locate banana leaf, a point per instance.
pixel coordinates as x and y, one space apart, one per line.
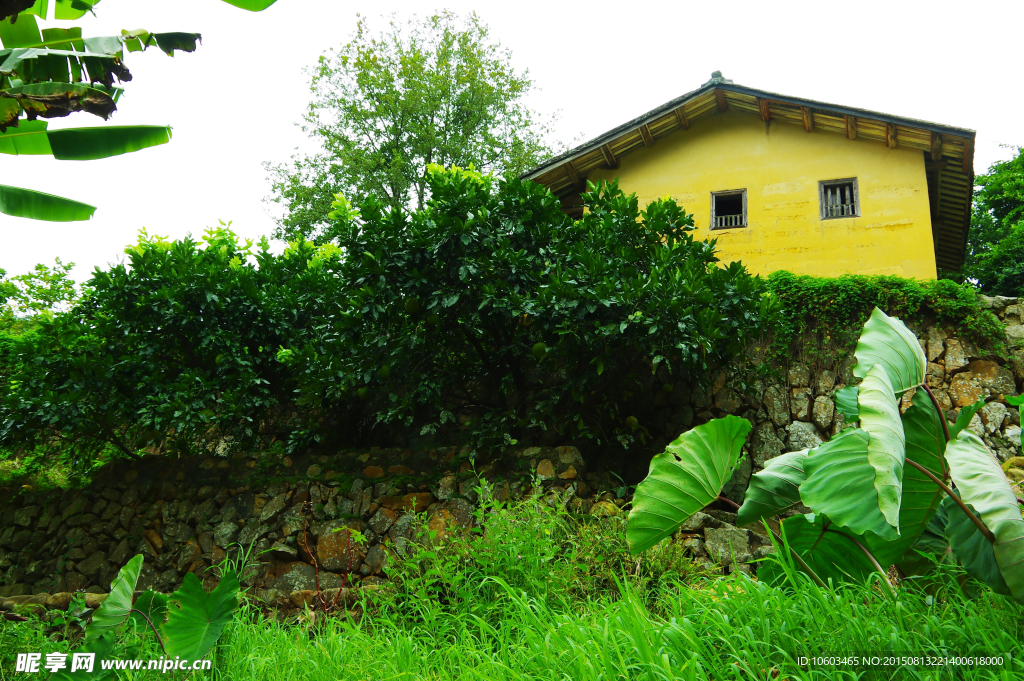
80 144
683 479
886 341
251 5
774 489
55 100
26 203
983 486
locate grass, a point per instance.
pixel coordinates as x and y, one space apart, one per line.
543 594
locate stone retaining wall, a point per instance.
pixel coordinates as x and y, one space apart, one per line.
353 512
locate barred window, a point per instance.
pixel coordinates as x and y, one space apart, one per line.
729 209
839 198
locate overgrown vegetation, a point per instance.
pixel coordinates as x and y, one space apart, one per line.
826 313
488 317
545 594
995 243
891 487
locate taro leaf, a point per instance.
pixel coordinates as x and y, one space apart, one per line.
982 484
846 403
774 489
26 203
150 607
880 417
828 554
683 479
102 646
251 5
841 484
933 537
970 546
80 144
195 618
886 341
964 419
114 610
921 496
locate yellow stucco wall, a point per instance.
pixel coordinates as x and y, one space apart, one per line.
780 165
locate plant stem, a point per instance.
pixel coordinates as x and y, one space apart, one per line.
150 623
942 416
987 533
885 577
730 502
804 566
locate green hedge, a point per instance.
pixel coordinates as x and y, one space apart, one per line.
835 308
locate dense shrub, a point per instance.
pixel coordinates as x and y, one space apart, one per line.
174 350
487 316
492 305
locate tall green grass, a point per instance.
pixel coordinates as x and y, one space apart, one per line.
542 594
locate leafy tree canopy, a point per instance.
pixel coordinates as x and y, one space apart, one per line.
387 105
995 245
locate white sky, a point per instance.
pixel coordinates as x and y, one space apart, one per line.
234 102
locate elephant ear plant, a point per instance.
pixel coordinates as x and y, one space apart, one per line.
884 490
185 623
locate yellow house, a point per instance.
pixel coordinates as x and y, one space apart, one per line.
788 183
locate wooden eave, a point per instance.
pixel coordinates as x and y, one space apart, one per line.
949 158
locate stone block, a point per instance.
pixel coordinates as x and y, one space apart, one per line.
956 356
776 405
800 403
966 389
823 412
799 375
802 435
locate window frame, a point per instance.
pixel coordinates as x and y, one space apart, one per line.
730 192
824 184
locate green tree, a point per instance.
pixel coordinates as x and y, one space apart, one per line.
43 290
995 244
493 307
54 72
387 105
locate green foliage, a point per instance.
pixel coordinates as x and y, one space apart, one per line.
828 310
115 609
995 242
683 479
43 75
100 377
876 489
546 323
388 105
195 619
775 488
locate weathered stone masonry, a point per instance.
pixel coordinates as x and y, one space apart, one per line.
188 514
